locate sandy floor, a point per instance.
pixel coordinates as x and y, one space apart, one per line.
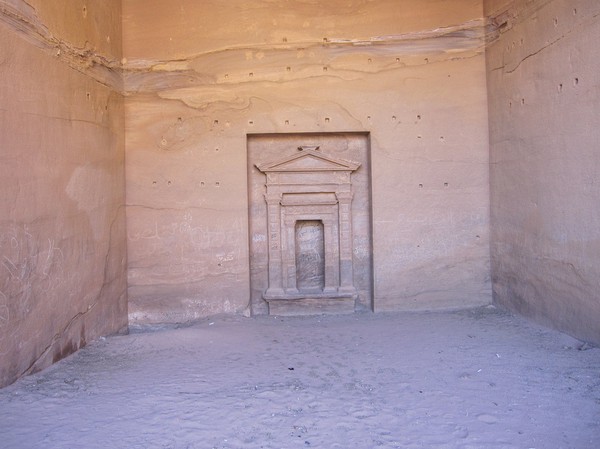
470 379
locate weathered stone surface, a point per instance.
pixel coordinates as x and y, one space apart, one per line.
543 84
202 76
310 255
62 216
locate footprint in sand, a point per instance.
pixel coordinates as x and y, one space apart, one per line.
488 419
460 432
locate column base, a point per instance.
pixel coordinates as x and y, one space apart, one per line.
304 303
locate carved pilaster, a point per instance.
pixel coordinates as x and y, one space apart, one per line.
345 223
331 256
289 252
274 228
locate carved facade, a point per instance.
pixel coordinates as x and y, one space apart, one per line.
308 199
309 186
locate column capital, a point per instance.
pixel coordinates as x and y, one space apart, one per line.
273 199
344 195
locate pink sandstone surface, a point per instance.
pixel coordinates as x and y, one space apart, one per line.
126 130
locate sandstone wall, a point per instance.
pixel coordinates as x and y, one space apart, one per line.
62 221
202 76
544 103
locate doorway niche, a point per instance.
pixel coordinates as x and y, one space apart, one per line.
309 223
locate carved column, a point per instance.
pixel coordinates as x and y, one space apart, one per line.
289 254
331 278
345 220
274 232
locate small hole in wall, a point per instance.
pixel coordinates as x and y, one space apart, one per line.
560 87
226 75
510 104
289 69
88 95
369 60
215 122
426 60
393 117
84 11
324 69
442 139
154 183
216 149
420 186
574 11
326 119
179 119
419 137
251 74
217 184
522 100
575 81
325 40
287 122
418 117
168 182
201 183
555 21
250 122
397 59
284 39
445 184
368 117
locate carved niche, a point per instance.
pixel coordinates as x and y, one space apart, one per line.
309 229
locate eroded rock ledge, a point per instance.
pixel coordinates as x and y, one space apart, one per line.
343 57
23 19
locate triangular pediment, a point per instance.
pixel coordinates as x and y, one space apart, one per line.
308 161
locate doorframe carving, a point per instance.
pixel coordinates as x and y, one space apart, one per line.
309 185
